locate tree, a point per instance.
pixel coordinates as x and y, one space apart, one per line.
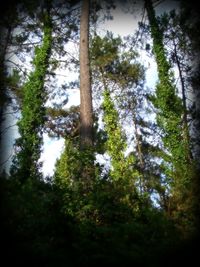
26 165
169 118
179 56
9 20
86 113
189 24
116 70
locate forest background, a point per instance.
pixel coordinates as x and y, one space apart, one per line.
125 188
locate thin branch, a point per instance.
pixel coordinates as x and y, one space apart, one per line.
192 101
158 3
5 161
143 16
17 65
10 113
5 129
62 75
26 44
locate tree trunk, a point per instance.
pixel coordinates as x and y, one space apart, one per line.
171 112
140 155
185 113
5 39
86 111
25 164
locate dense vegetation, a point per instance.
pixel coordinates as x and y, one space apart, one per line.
140 206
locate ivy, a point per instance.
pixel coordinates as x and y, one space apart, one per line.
116 142
25 164
170 119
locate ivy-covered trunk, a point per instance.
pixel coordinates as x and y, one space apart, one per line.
186 134
178 171
25 164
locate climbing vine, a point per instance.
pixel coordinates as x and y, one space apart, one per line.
170 120
25 163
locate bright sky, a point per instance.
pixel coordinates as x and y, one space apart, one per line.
124 21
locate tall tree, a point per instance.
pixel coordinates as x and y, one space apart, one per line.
169 118
8 21
86 110
189 23
177 44
25 164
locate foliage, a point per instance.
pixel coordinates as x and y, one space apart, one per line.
102 228
169 118
104 50
63 122
115 62
116 143
25 164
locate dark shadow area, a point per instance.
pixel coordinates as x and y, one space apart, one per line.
35 232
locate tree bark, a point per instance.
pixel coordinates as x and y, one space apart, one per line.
5 38
140 154
185 113
5 35
86 110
